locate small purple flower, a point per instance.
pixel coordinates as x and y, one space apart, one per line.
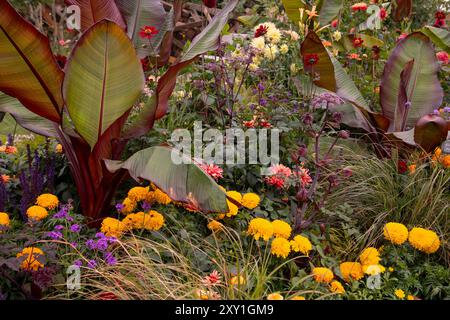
77 263
261 87
69 218
263 102
75 228
436 112
112 240
74 244
120 207
92 264
91 244
55 235
59 227
110 259
100 235
447 109
146 206
61 214
102 244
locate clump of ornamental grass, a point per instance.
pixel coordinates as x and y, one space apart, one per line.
377 192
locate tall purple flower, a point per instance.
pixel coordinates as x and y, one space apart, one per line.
76 228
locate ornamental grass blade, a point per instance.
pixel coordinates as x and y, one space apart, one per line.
184 182
93 11
104 78
28 69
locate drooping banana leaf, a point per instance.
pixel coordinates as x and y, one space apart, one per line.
93 11
103 80
26 118
424 90
368 41
439 36
328 10
292 9
28 70
184 182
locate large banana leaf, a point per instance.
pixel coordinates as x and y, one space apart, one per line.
28 70
141 13
324 67
184 182
103 80
424 90
328 10
93 11
292 9
368 41
439 36
26 118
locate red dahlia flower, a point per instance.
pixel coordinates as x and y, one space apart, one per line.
262 30
310 59
357 42
440 15
148 32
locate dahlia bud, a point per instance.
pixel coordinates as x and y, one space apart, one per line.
302 195
344 134
308 119
322 228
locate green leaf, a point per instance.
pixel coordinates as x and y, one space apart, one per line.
185 183
328 10
423 88
28 70
292 9
368 41
103 80
139 14
440 37
93 11
26 118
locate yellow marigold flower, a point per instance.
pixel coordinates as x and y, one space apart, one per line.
237 280
59 148
301 244
153 220
37 213
410 297
260 228
337 287
128 206
391 269
161 197
30 256
280 247
275 296
373 269
48 201
424 240
236 196
250 200
322 275
395 232
232 209
298 298
438 152
400 293
112 227
215 225
4 221
370 256
137 194
281 229
446 161
351 270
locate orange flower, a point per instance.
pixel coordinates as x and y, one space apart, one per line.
412 168
5 178
326 43
8 149
354 56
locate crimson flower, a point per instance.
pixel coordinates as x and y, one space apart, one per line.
210 3
335 23
147 32
439 23
262 30
357 42
383 14
402 166
145 64
440 15
310 59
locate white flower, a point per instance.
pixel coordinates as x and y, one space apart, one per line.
273 35
258 43
284 49
293 68
270 52
337 35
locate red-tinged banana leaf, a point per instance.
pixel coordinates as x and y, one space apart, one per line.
401 9
312 45
424 89
352 116
93 11
368 41
28 70
103 80
292 9
430 131
26 118
328 10
184 182
439 36
144 120
405 136
165 49
401 113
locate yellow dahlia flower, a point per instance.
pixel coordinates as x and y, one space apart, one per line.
400 293
112 227
30 256
37 213
137 194
337 287
370 256
281 229
260 228
424 240
373 269
275 296
301 244
351 270
322 275
48 201
250 200
280 247
395 232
